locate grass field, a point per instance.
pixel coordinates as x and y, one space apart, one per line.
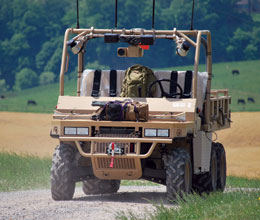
20 172
241 86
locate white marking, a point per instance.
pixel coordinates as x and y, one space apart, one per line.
182 105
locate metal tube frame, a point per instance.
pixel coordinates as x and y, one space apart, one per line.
158 34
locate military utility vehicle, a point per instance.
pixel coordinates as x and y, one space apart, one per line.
172 145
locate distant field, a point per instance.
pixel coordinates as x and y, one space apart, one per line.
256 17
45 96
242 86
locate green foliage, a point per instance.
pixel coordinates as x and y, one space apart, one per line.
25 79
47 78
96 65
45 54
26 26
32 32
245 43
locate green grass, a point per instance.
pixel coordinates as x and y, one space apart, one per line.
45 96
238 205
23 172
138 183
233 205
240 87
234 182
242 182
244 85
29 172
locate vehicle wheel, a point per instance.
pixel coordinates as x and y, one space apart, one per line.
99 186
62 185
207 182
222 169
178 174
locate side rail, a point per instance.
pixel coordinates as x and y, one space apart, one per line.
220 114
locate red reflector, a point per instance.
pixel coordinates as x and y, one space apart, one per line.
111 165
132 147
113 155
144 47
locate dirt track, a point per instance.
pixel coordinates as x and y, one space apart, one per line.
40 206
29 133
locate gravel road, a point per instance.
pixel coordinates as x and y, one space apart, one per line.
38 204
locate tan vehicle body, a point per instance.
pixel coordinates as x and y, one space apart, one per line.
182 117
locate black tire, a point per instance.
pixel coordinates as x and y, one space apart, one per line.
98 186
62 184
222 167
178 174
207 182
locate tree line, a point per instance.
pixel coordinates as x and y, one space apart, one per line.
32 32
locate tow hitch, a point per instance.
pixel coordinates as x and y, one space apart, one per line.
112 150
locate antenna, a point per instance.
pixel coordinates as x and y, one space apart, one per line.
192 15
77 14
116 14
153 14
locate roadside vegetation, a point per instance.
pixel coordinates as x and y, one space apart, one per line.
24 172
236 205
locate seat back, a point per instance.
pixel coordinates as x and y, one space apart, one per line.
90 80
109 82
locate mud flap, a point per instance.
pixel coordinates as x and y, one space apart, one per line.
201 152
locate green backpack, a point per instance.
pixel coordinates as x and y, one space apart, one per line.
137 81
